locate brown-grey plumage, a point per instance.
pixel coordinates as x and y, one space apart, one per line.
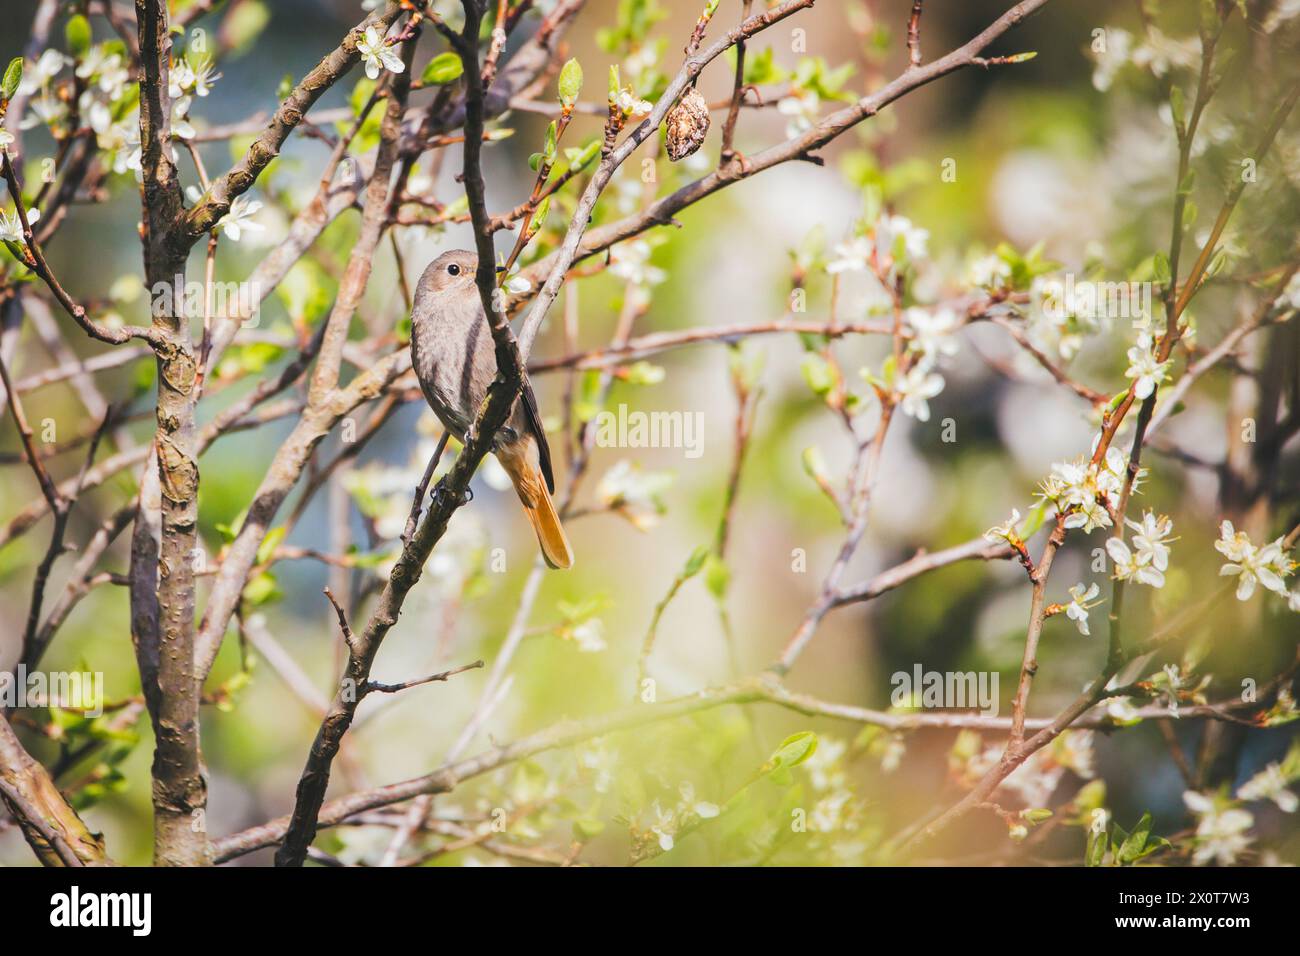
454 358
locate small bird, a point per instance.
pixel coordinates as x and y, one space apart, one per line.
454 358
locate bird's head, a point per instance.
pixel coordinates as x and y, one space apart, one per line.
454 269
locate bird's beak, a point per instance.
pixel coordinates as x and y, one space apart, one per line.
500 269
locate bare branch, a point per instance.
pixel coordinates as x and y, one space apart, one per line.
240 178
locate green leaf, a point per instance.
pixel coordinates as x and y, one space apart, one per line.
761 69
229 531
270 543
442 69
552 134
243 23
695 562
1177 105
570 82
716 575
1161 268
13 76
614 84
746 362
261 590
1131 848
814 465
1096 851
588 404
794 750
818 373
539 217
78 35
579 158
1154 845
644 373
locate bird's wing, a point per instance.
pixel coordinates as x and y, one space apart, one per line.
529 402
485 370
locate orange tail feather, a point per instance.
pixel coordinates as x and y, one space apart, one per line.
531 487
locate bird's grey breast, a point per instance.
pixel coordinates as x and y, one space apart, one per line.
446 335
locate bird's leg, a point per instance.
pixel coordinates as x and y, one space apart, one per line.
440 494
414 518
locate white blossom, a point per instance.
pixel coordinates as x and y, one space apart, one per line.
113 75
37 76
1160 53
825 772
829 814
893 752
701 808
181 125
596 758
851 256
1133 567
632 264
916 387
631 104
1113 473
662 827
1290 296
801 108
517 285
590 636
1151 539
1282 12
634 493
96 110
1270 784
1121 710
932 332
1006 532
11 230
1033 781
1143 367
1174 686
1079 489
195 77
378 55
239 218
1268 565
122 142
1073 486
1077 609
1119 46
990 272
1220 833
1089 515
897 236
1073 749
45 110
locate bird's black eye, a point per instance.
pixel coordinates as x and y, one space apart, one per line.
453 269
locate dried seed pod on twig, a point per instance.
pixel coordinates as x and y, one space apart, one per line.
687 125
